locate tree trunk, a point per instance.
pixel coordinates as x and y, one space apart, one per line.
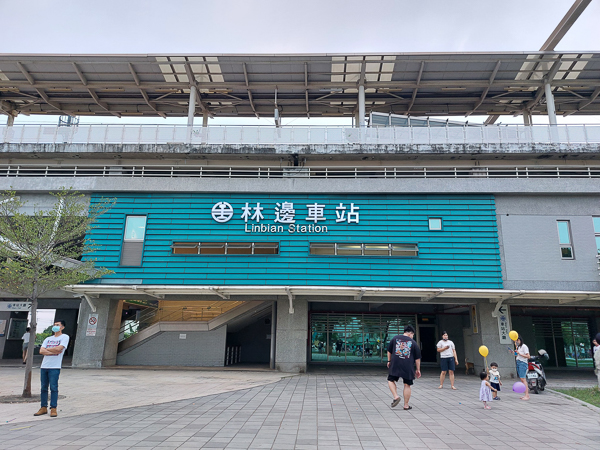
31 348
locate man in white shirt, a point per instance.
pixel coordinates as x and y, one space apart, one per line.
53 350
448 359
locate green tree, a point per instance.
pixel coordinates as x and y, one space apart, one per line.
39 337
41 252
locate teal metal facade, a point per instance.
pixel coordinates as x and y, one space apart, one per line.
464 254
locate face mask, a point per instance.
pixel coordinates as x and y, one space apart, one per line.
55 328
445 339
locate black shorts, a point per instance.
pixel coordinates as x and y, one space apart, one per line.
447 364
495 386
406 382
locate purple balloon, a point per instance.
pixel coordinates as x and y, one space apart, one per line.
519 387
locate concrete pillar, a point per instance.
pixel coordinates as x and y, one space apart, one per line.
488 335
11 120
361 105
273 335
191 106
205 118
99 350
550 104
292 336
527 118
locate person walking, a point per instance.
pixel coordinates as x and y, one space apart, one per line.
53 350
403 355
522 355
25 339
597 359
448 359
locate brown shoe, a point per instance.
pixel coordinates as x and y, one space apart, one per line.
53 412
43 410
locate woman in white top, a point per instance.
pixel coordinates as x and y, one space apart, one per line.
25 339
522 355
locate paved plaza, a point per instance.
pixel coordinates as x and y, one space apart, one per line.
310 411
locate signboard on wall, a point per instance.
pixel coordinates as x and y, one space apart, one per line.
504 324
92 324
15 306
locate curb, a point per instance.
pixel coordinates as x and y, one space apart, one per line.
576 400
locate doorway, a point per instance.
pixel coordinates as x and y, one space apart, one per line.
427 343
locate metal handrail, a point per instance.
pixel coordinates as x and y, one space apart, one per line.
301 135
317 172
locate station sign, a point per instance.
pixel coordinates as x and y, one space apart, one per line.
290 218
15 306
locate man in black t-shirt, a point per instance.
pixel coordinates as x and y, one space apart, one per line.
403 354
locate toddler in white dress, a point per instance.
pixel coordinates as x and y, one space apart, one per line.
485 391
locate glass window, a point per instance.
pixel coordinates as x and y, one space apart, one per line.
596 224
239 248
405 250
435 223
597 232
317 248
185 248
349 249
377 249
266 248
212 248
135 228
564 239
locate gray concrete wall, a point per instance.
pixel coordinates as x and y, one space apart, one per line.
67 150
199 348
489 336
99 350
559 186
530 250
292 335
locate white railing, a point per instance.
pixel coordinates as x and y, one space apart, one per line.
299 135
386 172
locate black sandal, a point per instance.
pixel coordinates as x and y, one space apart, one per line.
406 409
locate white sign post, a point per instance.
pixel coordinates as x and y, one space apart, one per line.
504 324
92 324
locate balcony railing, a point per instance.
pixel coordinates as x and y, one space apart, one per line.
313 172
300 135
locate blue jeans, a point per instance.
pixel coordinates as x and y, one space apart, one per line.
522 369
49 377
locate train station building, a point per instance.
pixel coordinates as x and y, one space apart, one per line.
298 246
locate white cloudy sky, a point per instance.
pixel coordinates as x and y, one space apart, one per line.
268 26
289 26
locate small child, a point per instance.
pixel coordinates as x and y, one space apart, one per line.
485 394
495 379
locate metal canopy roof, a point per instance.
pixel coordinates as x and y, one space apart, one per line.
306 84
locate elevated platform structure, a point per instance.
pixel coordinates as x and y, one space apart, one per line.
311 85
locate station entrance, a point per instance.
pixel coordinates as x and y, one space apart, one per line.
350 333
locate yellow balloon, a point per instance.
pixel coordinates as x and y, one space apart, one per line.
513 335
483 351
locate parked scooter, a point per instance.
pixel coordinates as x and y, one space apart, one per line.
536 377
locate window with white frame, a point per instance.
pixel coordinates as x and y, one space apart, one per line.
597 232
133 241
435 224
565 239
